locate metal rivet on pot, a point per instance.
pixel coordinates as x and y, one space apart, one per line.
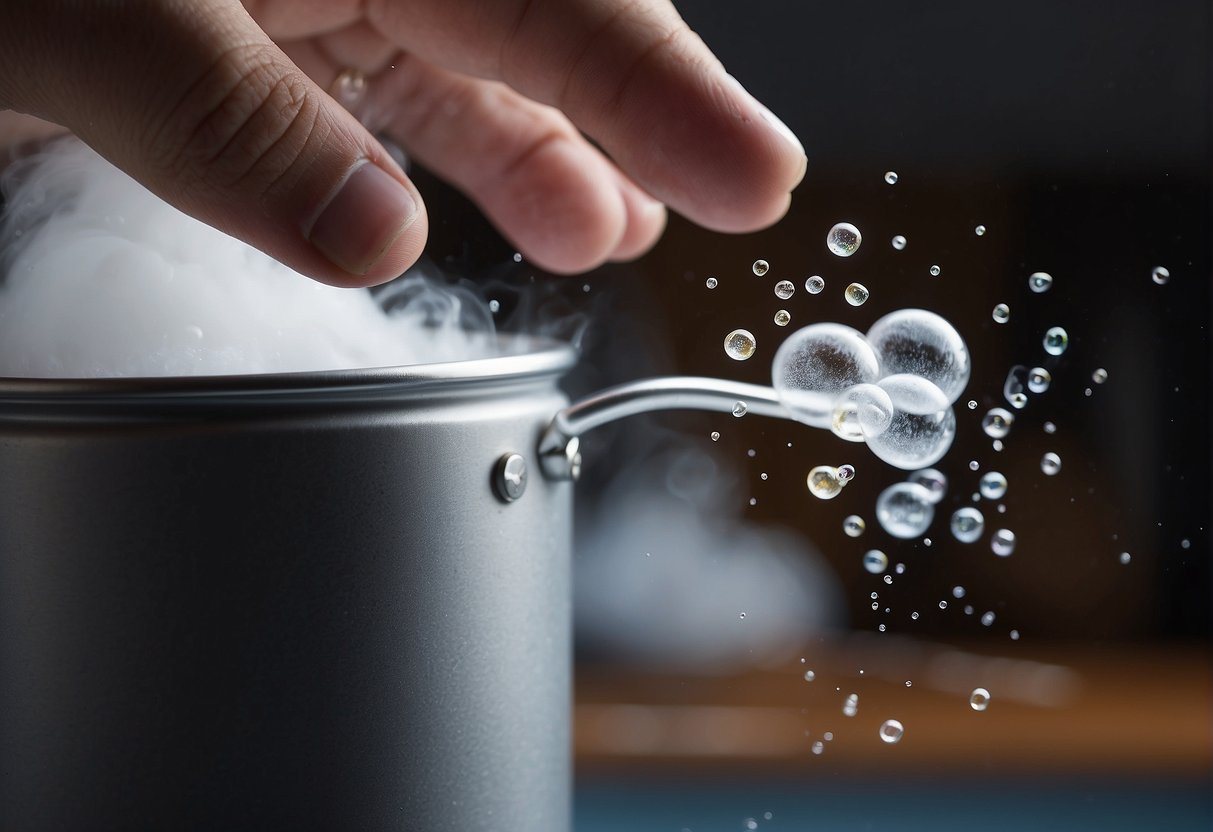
509 477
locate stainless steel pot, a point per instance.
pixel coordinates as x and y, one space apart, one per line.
308 601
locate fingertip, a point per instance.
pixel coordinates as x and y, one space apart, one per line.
646 221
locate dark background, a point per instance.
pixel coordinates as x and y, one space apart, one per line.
1079 134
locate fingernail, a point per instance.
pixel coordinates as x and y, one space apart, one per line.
770 118
362 218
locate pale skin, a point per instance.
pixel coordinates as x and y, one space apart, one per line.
224 110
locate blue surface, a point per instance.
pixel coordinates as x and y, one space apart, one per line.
938 804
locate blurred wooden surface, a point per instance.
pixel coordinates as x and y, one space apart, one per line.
1124 710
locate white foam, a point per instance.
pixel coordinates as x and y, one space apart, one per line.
104 279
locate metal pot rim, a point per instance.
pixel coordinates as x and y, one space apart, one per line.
524 359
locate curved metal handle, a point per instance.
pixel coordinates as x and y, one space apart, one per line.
559 446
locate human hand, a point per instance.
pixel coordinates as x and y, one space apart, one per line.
222 111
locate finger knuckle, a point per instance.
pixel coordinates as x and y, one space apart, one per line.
244 122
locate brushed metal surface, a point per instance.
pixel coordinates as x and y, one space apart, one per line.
283 613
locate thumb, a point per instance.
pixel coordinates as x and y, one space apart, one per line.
197 103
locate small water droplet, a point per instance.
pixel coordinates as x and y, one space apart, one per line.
742 615
997 422
890 177
809 675
979 699
891 731
935 270
739 344
843 239
711 283
761 267
974 465
824 483
1125 557
846 473
850 705
853 525
784 289
782 318
517 257
1056 340
943 605
1003 543
993 485
933 481
899 243
767 815
987 618
1160 275
968 524
1049 427
1099 376
1015 385
1001 313
958 592
750 823
856 294
1050 463
875 561
1015 635
1040 282
972 404
739 409
715 436
1039 379
980 231
818 747
814 285
905 510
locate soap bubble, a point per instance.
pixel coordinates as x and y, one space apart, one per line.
979 699
814 285
784 289
844 239
967 524
875 561
740 409
1050 463
935 270
715 436
782 318
921 342
846 473
824 483
997 423
1040 282
993 486
1001 313
899 243
739 344
1125 558
856 294
890 177
711 283
891 731
1160 275
904 510
853 525
933 481
980 230
1039 379
1099 376
861 411
815 364
1056 340
1003 543
761 267
923 425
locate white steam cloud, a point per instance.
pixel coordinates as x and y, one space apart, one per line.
104 279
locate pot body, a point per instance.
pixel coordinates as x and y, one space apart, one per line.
292 602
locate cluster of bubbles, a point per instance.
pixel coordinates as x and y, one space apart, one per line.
826 482
892 388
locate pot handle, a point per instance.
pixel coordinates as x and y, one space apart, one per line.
559 446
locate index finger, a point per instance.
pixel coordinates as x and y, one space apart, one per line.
633 76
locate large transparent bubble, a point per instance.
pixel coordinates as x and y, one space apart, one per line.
905 510
861 411
923 424
922 343
817 363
